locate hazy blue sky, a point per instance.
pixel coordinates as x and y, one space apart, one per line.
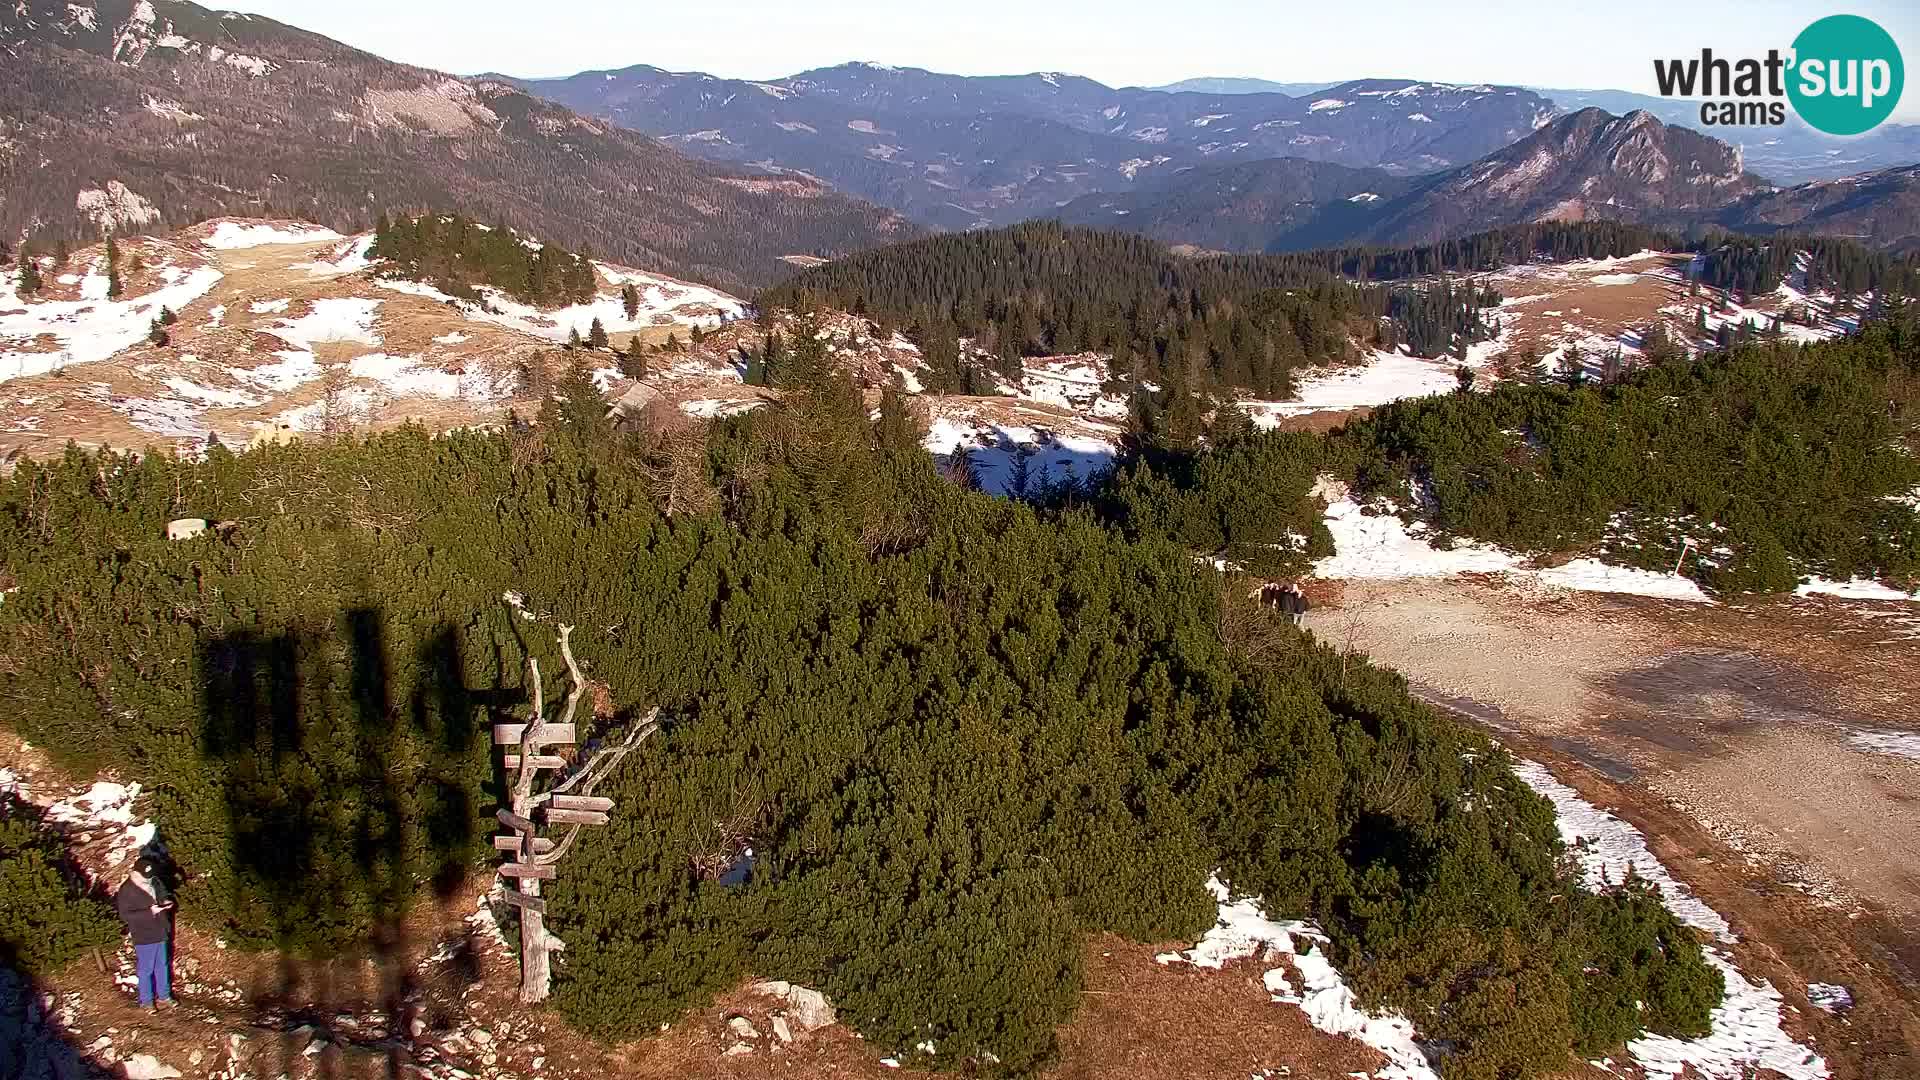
1122 42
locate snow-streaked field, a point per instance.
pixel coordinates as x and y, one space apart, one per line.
662 302
91 329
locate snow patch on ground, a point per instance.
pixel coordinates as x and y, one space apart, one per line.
332 320
1384 377
1592 575
350 257
86 331
1904 744
1378 545
1830 997
232 235
1243 932
407 376
1746 1034
102 818
662 302
1857 589
995 451
295 369
710 408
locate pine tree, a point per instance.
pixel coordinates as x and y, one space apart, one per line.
29 283
573 339
1572 366
630 301
673 343
633 362
114 288
157 334
577 408
597 335
168 317
698 335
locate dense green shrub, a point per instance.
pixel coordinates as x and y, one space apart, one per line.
48 915
959 734
1776 460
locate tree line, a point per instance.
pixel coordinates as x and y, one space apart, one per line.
1776 460
1245 322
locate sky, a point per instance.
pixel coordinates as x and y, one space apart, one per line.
1608 45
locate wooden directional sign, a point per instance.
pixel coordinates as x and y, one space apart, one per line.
538 761
511 734
574 817
523 900
528 870
541 845
580 802
513 821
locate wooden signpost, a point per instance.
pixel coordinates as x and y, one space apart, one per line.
570 802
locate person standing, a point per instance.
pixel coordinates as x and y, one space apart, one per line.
149 921
1295 604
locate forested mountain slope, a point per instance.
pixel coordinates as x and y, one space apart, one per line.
1882 208
1590 165
1040 289
958 151
153 114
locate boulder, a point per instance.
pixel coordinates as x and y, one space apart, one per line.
147 1067
806 1009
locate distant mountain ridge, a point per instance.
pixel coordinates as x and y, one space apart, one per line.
1791 154
1244 86
151 114
957 151
1587 165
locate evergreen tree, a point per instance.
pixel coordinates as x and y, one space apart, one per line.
168 316
573 339
29 280
577 409
157 334
1573 366
633 362
630 301
596 335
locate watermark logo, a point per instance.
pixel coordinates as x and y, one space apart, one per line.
1843 76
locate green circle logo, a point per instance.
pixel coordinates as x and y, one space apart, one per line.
1846 75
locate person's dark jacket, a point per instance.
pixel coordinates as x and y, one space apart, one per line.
135 905
1300 605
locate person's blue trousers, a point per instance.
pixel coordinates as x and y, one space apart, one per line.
150 962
